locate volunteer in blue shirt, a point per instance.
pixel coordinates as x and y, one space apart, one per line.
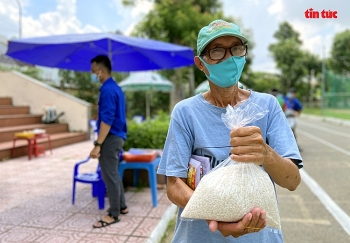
196 128
293 109
112 132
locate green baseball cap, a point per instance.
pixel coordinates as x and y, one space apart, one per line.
216 29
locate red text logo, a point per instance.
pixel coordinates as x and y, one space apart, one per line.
313 14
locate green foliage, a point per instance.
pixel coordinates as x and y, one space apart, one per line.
136 104
287 56
264 82
149 134
295 64
336 113
32 72
340 53
2 68
80 85
190 17
286 32
179 21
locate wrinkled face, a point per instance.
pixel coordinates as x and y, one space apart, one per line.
229 43
222 48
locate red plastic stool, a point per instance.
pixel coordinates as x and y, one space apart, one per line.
38 149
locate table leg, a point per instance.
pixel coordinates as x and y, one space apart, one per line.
29 149
13 147
152 177
48 137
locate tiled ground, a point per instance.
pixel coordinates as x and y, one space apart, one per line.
35 203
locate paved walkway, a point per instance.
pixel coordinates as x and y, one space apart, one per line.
35 203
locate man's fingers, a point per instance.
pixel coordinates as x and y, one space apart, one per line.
213 226
262 222
255 218
246 220
258 221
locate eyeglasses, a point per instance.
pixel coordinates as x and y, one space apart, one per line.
219 53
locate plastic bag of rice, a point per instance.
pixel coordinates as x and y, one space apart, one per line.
231 189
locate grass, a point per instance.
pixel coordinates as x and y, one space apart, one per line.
336 113
169 233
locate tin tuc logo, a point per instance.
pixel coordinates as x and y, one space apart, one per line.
313 14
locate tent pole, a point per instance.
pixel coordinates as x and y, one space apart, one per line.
110 52
147 106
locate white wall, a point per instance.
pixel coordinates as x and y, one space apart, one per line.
30 92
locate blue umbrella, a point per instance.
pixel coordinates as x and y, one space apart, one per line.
74 52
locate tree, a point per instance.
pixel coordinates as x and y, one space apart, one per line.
287 54
340 53
297 66
286 32
179 21
313 67
265 82
80 85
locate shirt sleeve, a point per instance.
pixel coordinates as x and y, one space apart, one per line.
107 106
297 105
176 152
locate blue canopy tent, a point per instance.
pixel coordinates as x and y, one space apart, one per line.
74 52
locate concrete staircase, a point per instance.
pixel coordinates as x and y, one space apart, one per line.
15 119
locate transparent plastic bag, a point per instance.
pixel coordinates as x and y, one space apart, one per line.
232 189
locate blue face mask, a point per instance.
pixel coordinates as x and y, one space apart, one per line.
226 73
94 78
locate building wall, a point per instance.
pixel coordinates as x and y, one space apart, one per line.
27 91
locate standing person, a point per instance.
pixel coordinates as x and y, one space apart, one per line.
292 102
196 128
275 92
112 129
293 108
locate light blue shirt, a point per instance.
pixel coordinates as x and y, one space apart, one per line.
196 128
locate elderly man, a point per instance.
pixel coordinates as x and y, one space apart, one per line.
196 128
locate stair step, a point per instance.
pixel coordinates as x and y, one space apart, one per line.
57 140
13 110
7 133
5 101
17 120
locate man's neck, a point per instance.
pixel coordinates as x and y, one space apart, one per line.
106 79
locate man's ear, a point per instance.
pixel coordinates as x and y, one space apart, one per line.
199 63
104 71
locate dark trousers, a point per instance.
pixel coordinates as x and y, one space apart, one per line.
109 160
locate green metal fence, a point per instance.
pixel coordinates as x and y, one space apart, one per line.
337 91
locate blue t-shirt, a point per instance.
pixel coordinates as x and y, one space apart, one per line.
293 103
196 128
111 108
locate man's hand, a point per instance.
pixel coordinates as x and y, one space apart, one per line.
251 222
248 145
95 152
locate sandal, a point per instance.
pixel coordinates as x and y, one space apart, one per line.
122 210
104 223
